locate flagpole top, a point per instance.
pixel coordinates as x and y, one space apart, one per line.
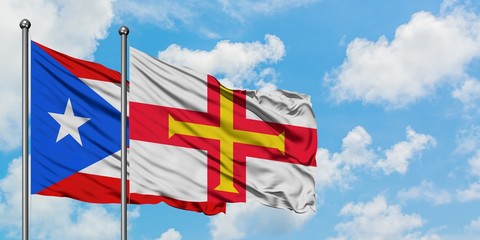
25 24
123 30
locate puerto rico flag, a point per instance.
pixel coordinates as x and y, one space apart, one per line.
75 132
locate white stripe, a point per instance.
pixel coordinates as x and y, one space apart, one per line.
170 171
108 167
158 83
281 185
281 107
107 90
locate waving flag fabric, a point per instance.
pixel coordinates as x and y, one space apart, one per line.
75 124
75 128
194 140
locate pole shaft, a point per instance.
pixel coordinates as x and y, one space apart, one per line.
123 33
25 25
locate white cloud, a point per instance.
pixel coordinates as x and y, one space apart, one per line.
89 222
448 5
398 157
51 217
242 9
251 218
411 66
11 196
331 171
425 191
378 220
471 231
473 226
474 163
170 234
468 94
470 194
242 69
468 140
134 213
337 168
69 26
357 152
164 13
420 236
73 27
197 15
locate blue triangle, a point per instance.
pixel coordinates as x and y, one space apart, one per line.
51 87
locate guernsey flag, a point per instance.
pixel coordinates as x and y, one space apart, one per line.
193 139
75 124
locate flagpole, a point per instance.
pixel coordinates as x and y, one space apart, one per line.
123 31
25 26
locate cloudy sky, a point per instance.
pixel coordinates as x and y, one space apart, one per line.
395 87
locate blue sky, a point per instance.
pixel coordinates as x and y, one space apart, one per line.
394 86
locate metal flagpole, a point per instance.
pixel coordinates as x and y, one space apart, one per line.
123 31
25 26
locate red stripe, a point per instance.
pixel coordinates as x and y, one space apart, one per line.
87 188
100 189
209 208
82 68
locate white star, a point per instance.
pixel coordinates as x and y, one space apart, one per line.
69 123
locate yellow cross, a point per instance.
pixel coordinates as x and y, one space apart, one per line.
227 136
